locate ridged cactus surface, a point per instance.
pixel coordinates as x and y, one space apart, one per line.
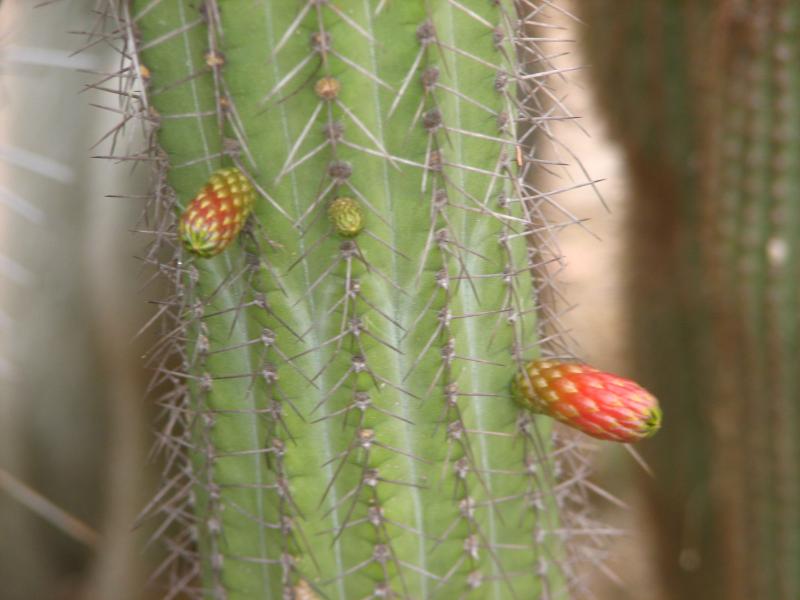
715 222
753 221
339 412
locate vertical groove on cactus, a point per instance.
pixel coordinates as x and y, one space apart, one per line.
340 416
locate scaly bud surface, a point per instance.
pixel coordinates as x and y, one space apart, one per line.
599 404
217 214
346 215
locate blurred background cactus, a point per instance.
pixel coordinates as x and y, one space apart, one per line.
704 99
335 418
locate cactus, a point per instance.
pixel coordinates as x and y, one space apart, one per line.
338 416
719 225
752 219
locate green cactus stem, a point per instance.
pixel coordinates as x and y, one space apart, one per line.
339 415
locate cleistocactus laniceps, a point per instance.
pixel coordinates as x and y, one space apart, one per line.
338 414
